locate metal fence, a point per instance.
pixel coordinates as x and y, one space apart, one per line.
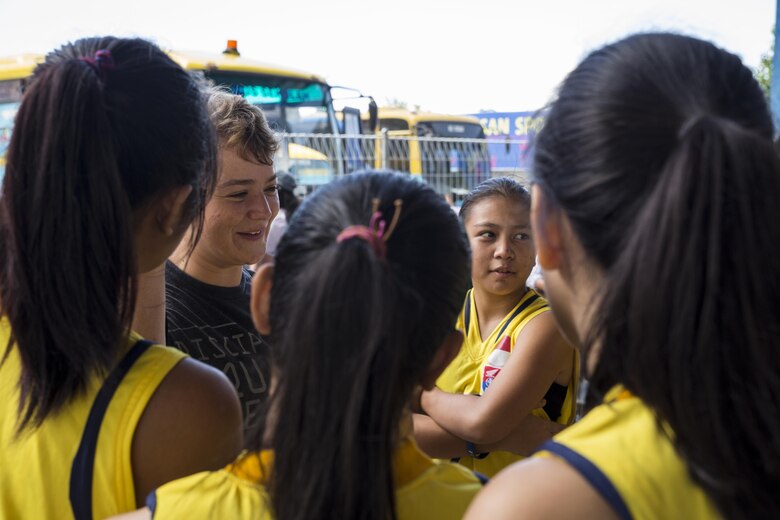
451 166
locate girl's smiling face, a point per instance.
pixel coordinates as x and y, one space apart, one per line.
239 213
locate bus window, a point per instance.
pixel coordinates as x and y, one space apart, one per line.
290 104
461 130
393 124
307 119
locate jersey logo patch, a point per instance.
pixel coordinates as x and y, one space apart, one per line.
496 361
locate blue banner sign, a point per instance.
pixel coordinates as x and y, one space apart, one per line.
512 134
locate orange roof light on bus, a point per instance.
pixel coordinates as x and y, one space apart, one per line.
232 48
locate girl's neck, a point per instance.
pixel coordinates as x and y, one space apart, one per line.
491 308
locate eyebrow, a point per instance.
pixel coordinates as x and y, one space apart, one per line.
242 182
491 225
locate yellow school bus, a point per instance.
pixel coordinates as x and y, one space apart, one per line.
294 101
448 151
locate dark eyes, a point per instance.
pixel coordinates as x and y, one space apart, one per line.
491 235
241 195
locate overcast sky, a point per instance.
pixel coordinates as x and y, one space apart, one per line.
455 56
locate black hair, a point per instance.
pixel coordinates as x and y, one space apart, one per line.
506 187
659 151
93 143
288 202
351 334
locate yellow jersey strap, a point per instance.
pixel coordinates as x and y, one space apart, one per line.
82 469
592 474
515 314
467 313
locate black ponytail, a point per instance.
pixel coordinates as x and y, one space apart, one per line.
352 333
91 145
659 150
703 339
348 443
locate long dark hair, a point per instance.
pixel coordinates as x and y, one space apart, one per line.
351 334
659 151
93 142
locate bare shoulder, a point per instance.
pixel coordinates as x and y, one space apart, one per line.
539 488
199 392
541 339
192 423
543 327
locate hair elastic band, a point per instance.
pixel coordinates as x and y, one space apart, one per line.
102 62
374 233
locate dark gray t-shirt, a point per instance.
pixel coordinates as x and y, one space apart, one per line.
213 324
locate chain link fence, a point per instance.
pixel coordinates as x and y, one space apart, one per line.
451 166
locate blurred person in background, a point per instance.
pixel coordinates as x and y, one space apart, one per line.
288 203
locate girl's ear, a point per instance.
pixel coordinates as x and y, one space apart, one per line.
171 208
546 224
448 349
260 301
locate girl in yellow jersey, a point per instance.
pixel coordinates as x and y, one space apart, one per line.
361 308
500 316
657 225
110 160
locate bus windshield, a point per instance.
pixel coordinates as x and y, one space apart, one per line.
290 104
450 129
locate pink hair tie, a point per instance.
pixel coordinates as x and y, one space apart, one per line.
102 62
374 233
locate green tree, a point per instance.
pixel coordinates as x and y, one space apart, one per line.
400 103
396 103
763 72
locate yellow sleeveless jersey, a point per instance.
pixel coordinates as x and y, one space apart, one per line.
618 448
425 489
66 469
479 362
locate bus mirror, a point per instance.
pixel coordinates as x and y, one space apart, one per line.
373 115
343 97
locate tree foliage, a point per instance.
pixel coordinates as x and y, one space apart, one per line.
763 72
400 103
396 103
